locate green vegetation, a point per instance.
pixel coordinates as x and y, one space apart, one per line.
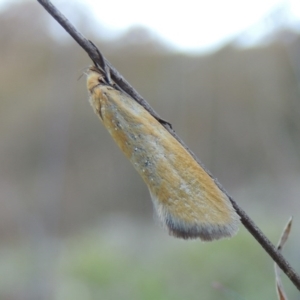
144 263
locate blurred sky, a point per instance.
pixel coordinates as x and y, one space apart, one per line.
189 25
192 24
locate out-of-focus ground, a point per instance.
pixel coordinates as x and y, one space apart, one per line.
76 221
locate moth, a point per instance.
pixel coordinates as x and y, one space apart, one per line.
186 198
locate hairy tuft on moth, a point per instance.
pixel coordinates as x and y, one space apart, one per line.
186 198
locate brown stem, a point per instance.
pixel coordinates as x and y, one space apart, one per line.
100 60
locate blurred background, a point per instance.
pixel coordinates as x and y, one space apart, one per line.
76 221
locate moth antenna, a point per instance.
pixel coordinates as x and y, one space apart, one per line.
84 72
103 65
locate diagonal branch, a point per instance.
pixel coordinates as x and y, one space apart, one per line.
102 62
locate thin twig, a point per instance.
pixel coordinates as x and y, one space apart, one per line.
98 59
283 239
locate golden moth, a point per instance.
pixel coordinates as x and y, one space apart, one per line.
186 198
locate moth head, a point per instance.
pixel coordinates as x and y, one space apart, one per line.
94 79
